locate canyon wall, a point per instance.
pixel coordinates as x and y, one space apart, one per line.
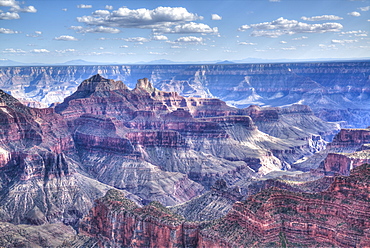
336 91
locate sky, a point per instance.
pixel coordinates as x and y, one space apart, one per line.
135 31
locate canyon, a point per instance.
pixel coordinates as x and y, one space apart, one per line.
118 164
335 91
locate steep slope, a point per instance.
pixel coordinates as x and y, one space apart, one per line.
40 176
336 217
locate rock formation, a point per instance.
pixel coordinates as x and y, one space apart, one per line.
337 217
336 91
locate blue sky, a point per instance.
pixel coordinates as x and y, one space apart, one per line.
183 31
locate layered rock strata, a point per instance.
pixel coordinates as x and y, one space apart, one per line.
337 217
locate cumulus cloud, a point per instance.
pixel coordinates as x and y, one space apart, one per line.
40 51
322 18
354 13
99 29
27 9
84 6
35 34
190 39
289 48
343 41
283 42
64 9
124 46
301 38
15 8
359 33
188 28
110 7
159 37
66 38
136 39
367 8
9 16
141 18
70 50
284 26
247 43
8 31
157 53
216 17
101 12
14 51
8 3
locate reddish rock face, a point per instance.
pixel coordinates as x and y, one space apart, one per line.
337 217
351 138
117 221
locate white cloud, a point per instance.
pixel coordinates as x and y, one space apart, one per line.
289 48
157 53
159 37
141 18
284 26
28 9
301 38
99 29
188 28
35 34
110 7
322 18
101 12
14 51
66 50
84 6
275 1
136 39
216 17
9 16
190 39
66 38
124 46
359 33
247 43
343 41
367 8
40 51
8 3
244 27
354 13
64 9
283 42
8 31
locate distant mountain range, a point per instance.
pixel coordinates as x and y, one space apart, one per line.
7 62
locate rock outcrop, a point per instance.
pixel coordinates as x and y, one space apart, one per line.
337 217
